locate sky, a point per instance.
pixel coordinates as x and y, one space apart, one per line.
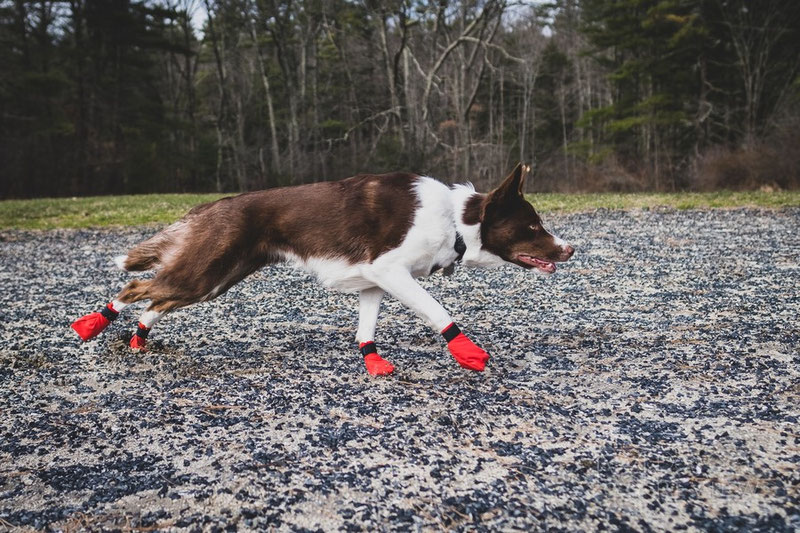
199 13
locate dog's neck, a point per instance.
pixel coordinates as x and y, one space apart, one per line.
475 255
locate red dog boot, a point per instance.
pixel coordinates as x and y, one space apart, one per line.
139 339
90 326
376 365
465 352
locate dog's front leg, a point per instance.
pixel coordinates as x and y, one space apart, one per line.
399 283
369 304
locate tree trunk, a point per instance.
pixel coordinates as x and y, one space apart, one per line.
222 108
275 164
391 78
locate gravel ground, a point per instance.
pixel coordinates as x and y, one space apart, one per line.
653 383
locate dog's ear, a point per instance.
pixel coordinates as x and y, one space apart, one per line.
513 184
510 189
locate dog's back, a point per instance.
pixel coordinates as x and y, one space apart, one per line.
217 244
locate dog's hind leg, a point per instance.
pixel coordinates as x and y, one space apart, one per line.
399 283
164 297
169 290
369 303
91 325
146 323
142 257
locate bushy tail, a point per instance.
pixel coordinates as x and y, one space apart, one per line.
149 254
145 256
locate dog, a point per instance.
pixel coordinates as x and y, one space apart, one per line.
371 234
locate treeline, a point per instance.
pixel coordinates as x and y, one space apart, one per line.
118 96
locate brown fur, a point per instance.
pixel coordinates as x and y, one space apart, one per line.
146 255
473 209
216 245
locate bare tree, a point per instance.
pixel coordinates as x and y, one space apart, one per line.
756 34
262 67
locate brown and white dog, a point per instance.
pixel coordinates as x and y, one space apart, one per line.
373 234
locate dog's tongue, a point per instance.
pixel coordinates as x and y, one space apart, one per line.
544 266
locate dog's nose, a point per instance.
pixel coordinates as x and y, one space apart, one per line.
568 251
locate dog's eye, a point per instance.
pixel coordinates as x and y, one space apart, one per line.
535 227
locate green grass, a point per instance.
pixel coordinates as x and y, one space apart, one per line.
694 200
100 211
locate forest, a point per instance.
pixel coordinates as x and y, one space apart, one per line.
118 96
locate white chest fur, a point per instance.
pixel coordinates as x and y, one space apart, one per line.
475 254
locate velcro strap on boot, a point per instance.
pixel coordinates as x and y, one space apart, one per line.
109 313
368 348
450 332
142 331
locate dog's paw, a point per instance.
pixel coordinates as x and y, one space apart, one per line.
139 340
89 326
472 363
378 366
468 354
138 344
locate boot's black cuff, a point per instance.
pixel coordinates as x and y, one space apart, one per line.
142 331
451 332
109 313
368 348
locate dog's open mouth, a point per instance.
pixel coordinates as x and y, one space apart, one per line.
545 266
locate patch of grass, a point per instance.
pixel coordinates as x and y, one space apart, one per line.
568 203
98 211
102 211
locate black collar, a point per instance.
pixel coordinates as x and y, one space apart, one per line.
460 247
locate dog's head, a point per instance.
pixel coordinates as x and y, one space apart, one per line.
512 230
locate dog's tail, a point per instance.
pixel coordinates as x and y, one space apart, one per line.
151 253
144 256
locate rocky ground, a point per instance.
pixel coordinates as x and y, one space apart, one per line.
653 383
